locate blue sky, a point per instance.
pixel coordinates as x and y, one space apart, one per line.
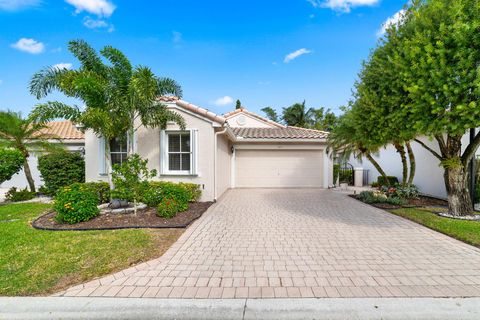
265 53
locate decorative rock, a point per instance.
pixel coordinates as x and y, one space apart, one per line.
472 217
129 208
117 203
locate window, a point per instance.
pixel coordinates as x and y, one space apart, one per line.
179 151
118 150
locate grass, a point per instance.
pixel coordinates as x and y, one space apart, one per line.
34 262
466 231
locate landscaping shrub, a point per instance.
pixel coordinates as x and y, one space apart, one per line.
160 190
193 189
60 169
101 189
75 204
11 161
168 208
15 195
407 192
387 181
371 197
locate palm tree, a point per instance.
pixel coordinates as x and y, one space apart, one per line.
297 115
119 98
26 136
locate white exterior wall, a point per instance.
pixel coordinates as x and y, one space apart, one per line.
224 161
148 147
18 180
429 174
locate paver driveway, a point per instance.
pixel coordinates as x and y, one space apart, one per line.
299 243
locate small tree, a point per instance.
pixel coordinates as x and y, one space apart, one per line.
298 115
11 161
131 179
238 104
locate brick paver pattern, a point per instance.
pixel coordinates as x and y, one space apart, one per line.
279 243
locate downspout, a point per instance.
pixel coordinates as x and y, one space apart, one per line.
215 163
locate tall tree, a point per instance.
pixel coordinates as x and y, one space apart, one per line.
238 104
119 97
298 115
26 136
271 113
323 119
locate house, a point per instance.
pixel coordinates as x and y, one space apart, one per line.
64 132
237 150
428 173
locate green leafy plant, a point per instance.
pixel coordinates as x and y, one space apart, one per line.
193 189
101 189
75 204
15 195
406 191
160 190
168 208
60 169
371 197
11 161
131 179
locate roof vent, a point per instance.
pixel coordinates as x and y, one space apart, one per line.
241 120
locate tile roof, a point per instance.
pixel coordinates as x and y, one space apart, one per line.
167 99
243 110
63 130
201 111
279 133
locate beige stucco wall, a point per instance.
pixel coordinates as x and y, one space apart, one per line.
250 122
148 147
224 156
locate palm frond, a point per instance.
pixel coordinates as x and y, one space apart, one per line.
167 86
87 56
50 110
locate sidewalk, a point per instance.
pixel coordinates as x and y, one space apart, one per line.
53 308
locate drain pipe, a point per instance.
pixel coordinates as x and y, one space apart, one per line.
215 163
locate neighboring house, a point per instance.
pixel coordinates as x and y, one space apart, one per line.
429 174
66 133
237 150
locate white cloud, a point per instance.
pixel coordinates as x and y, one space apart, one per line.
393 20
97 24
177 36
1 81
29 45
294 55
341 5
101 8
223 101
62 65
13 5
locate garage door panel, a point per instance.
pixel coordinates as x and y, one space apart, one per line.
279 168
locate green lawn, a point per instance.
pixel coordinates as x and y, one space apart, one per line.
467 231
34 262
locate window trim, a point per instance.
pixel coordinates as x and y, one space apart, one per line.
164 153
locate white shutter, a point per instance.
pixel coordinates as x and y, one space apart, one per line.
163 152
193 151
102 165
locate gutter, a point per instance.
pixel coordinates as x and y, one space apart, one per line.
215 162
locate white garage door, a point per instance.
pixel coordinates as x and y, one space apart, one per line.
278 168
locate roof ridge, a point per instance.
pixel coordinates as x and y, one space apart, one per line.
201 111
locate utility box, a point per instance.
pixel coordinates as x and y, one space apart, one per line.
358 177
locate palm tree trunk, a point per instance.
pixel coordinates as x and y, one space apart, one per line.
376 165
401 150
28 175
108 164
413 164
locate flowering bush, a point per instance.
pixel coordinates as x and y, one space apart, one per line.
75 204
168 208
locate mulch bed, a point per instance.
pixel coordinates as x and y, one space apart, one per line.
144 219
422 201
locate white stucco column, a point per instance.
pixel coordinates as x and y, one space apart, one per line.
326 167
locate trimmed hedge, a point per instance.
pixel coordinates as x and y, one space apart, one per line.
15 195
389 181
61 169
